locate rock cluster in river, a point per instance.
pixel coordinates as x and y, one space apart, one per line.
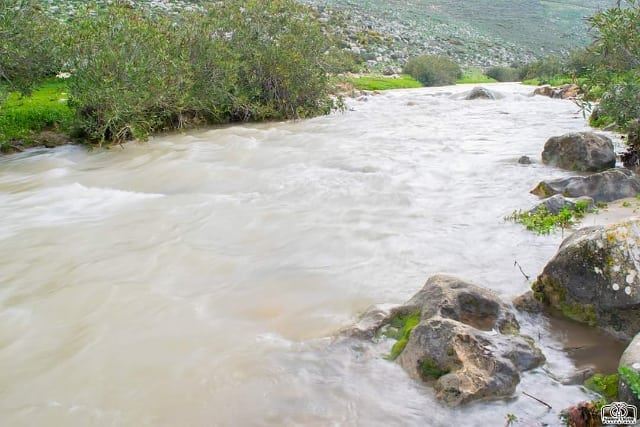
466 343
568 91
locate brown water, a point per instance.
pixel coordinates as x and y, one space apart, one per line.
197 279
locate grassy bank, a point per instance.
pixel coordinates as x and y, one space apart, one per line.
375 82
23 117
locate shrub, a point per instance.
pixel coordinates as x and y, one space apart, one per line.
543 69
433 70
504 74
137 72
29 46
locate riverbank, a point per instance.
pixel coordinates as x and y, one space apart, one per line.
45 118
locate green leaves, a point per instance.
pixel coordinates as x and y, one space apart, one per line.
431 70
632 378
138 72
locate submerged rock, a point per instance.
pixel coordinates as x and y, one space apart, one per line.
480 93
580 151
629 365
525 160
465 341
594 278
607 186
555 204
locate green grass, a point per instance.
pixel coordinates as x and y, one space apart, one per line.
544 222
374 82
475 75
22 117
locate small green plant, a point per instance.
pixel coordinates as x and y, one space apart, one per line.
626 204
511 420
432 70
542 221
400 329
605 385
632 378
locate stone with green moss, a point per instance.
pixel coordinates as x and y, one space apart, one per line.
594 278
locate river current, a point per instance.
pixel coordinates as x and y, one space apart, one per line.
198 279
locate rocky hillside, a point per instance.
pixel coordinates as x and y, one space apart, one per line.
384 33
474 32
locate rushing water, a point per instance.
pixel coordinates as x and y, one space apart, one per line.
198 279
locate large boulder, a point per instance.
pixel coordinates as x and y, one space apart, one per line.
606 186
580 151
480 93
594 278
466 343
630 365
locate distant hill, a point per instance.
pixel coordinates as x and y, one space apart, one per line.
475 32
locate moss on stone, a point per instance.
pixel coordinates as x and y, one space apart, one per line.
584 313
400 328
604 385
548 291
429 370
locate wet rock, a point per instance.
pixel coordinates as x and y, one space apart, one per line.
480 93
555 204
466 342
545 90
525 160
527 303
607 186
630 360
580 151
568 91
594 278
579 376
